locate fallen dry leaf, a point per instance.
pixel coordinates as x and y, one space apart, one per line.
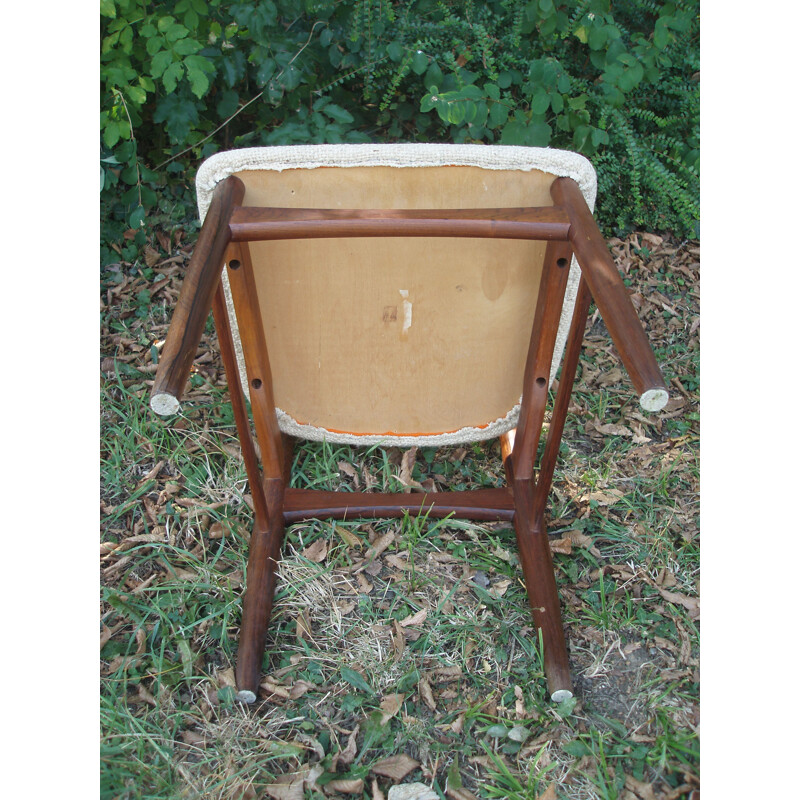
390 705
415 619
606 498
681 791
217 530
194 739
579 539
363 584
666 579
107 633
350 471
350 786
499 588
395 767
347 755
445 674
374 567
398 639
519 703
310 743
146 696
378 546
377 794
289 787
316 551
303 626
460 794
611 429
502 554
345 606
274 688
299 688
163 240
426 693
614 375
548 794
406 468
350 538
691 604
310 777
151 256
398 562
244 791
641 789
563 546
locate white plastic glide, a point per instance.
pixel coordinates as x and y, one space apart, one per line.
164 404
653 400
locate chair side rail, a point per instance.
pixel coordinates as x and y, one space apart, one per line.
195 299
611 296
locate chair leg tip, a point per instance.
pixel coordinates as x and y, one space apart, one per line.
560 695
246 696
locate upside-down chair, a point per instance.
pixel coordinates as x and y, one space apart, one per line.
402 294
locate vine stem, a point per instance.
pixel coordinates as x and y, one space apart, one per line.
248 103
118 94
350 74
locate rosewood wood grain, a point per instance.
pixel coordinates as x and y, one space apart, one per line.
262 563
609 292
536 380
256 359
260 224
569 366
288 443
195 300
485 505
540 583
240 415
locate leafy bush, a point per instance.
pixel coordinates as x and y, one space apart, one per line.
182 79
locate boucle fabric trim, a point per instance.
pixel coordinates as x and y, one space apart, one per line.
555 162
492 431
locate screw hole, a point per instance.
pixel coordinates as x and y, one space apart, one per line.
541 382
561 263
235 264
256 383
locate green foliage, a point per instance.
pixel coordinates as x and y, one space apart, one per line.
182 79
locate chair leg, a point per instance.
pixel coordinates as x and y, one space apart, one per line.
540 580
537 567
262 563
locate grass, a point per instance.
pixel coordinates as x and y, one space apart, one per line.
427 651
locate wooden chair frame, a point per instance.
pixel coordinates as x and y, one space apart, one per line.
568 227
